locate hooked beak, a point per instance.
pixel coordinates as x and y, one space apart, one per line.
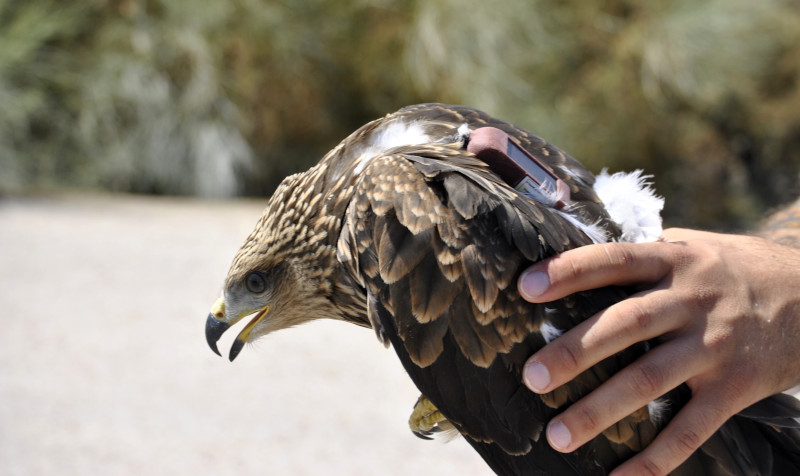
214 330
216 326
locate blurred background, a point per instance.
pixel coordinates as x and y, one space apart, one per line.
224 98
140 138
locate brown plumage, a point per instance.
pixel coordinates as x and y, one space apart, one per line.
400 229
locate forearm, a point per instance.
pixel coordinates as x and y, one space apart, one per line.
784 226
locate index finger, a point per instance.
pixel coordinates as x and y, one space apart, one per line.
596 266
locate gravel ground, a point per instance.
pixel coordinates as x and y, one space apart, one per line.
104 367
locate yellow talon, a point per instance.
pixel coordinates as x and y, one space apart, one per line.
427 419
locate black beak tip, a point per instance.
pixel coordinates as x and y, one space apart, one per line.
214 330
235 349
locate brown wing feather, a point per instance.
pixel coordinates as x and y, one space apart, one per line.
460 320
432 292
428 267
400 250
446 266
476 268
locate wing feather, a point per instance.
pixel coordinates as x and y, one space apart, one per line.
475 349
440 243
483 291
432 292
437 229
426 341
400 250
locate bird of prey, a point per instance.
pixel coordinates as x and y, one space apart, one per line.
404 229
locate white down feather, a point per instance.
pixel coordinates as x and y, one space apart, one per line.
632 204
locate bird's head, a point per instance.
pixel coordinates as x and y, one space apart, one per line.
283 274
267 293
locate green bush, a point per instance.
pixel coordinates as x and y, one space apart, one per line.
225 98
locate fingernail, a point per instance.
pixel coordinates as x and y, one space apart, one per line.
536 376
558 436
532 284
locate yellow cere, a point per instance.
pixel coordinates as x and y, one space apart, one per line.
218 309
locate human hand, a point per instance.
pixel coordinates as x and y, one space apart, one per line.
726 309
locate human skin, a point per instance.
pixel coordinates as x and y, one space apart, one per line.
725 309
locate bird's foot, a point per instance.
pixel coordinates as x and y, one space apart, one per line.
426 419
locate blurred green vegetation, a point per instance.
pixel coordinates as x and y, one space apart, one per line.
223 98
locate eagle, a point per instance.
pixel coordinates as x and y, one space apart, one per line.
406 229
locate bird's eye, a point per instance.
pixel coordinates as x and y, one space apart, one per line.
255 283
